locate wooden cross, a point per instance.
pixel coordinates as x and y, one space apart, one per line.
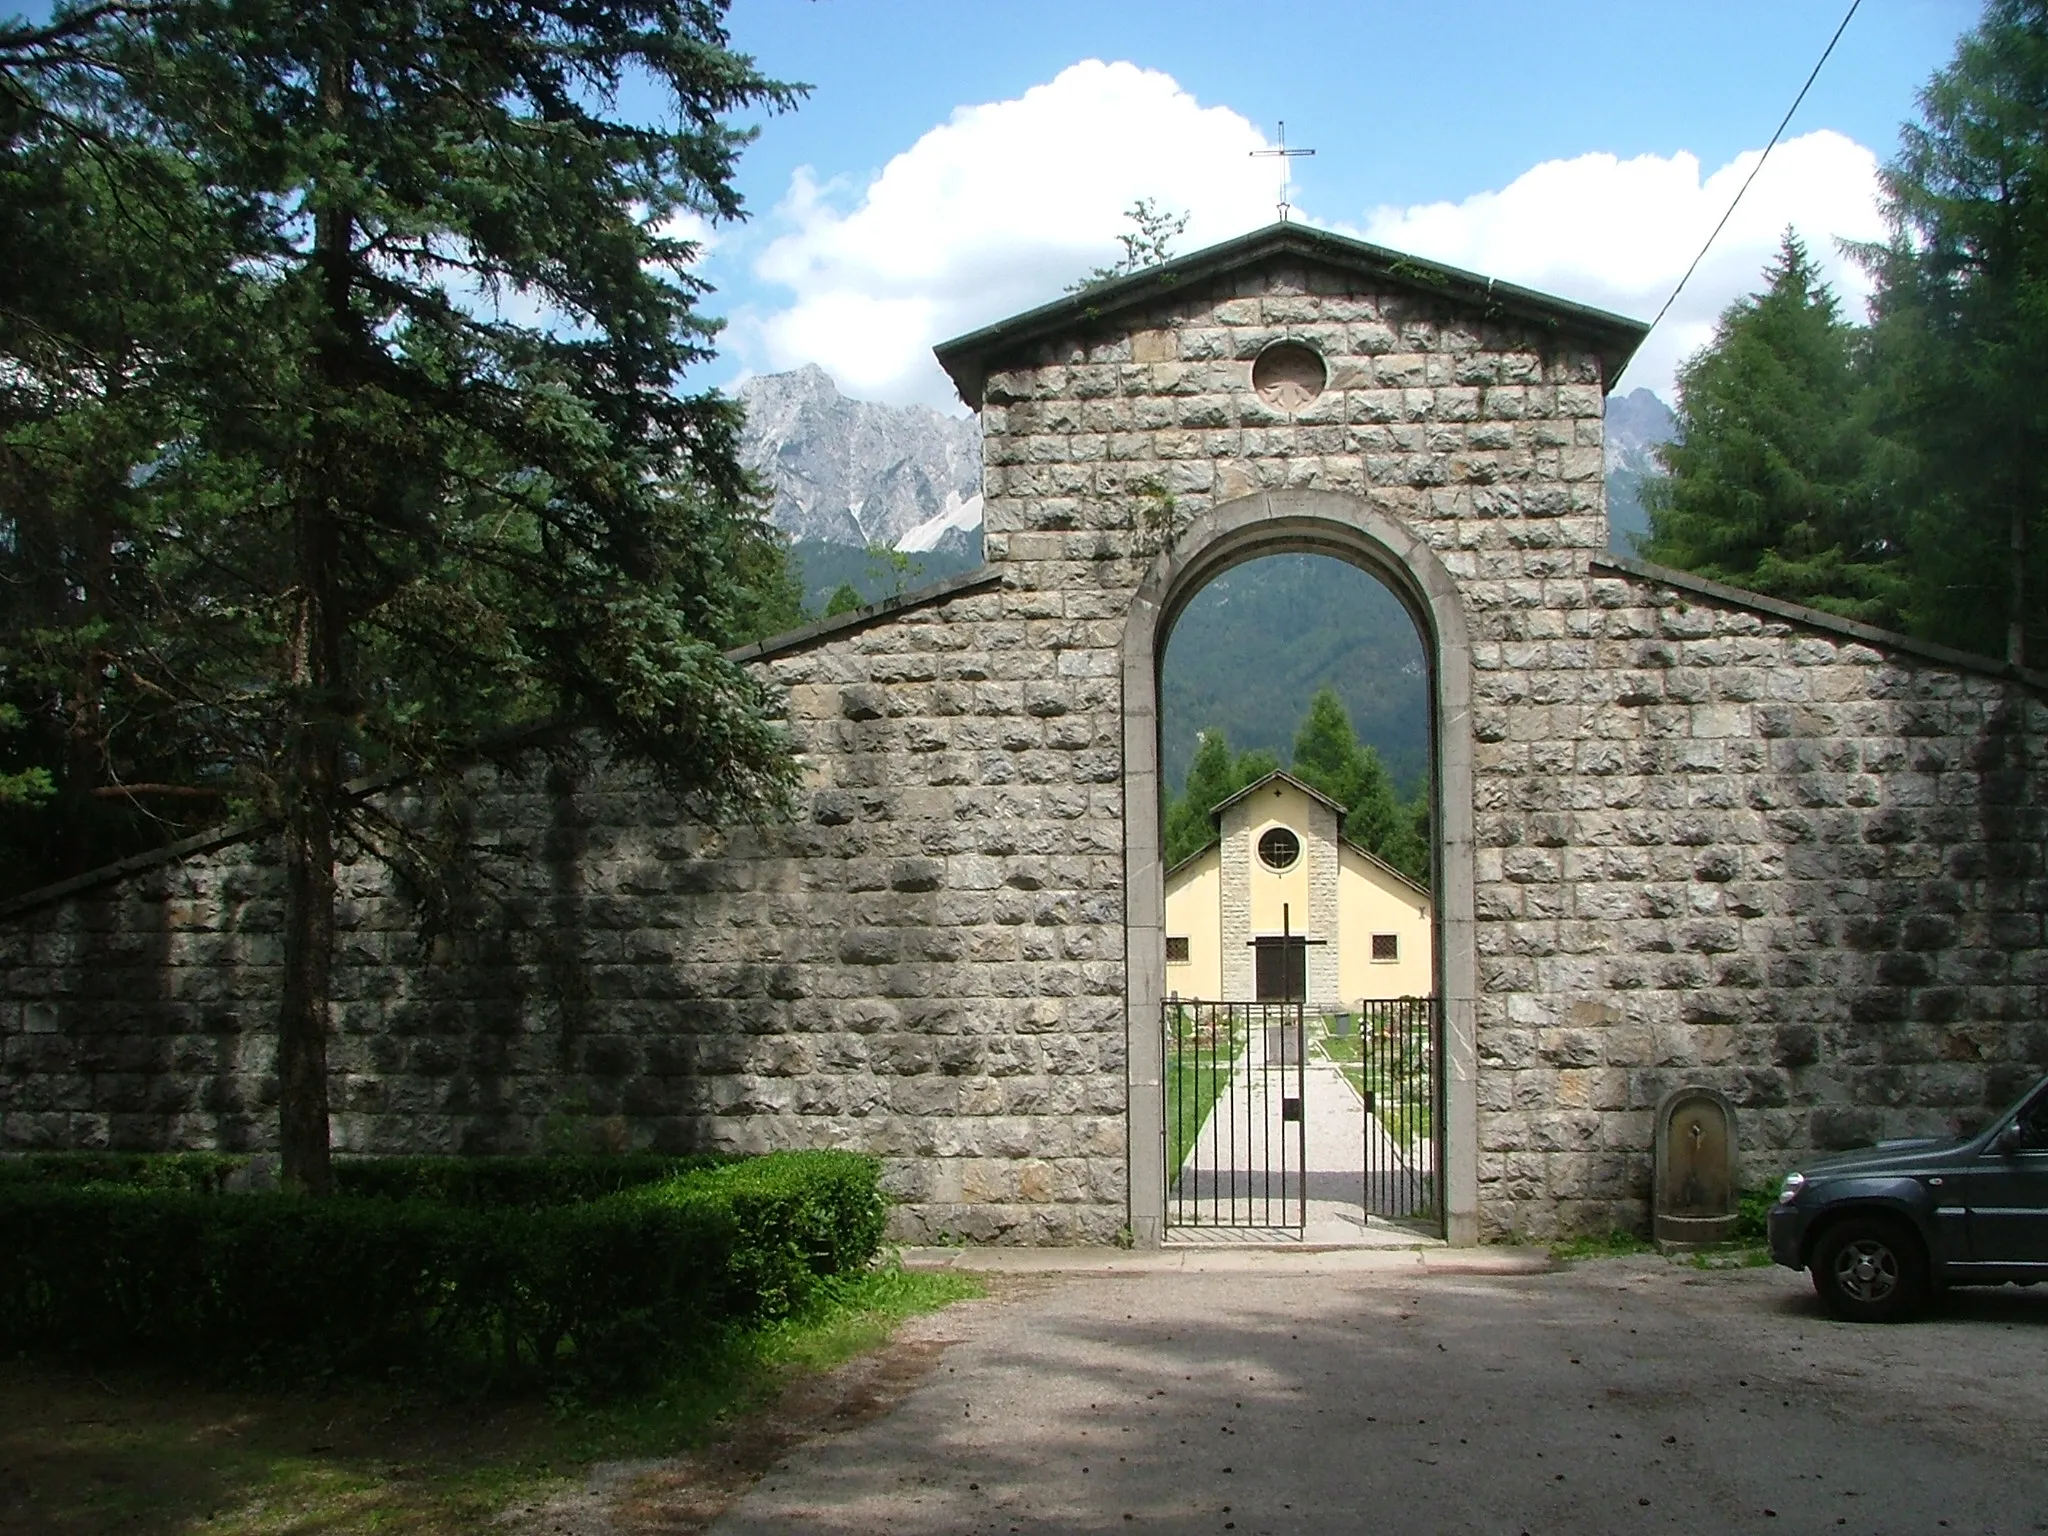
1283 154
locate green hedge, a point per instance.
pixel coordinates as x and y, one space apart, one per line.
602 1293
490 1182
199 1173
477 1182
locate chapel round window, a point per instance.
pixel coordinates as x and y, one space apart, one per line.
1279 848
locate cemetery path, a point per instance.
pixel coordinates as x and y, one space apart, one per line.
1273 1394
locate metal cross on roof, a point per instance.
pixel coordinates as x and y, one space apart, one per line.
1283 154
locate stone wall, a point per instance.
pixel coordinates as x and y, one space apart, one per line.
1710 839
1720 845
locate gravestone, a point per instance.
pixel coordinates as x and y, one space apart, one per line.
1695 1186
1283 1044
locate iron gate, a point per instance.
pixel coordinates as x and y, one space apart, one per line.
1400 1051
1234 1128
1241 1081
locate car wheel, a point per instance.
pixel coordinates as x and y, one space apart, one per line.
1870 1269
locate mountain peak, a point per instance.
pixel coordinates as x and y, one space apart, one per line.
1637 422
852 471
808 383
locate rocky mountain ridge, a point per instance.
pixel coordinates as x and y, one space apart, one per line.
1637 423
851 472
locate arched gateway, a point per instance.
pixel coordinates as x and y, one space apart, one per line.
1686 836
1346 527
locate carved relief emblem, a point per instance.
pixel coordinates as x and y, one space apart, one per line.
1289 375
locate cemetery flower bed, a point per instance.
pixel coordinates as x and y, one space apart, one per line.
515 1274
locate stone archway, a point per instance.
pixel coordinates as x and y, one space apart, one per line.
1346 528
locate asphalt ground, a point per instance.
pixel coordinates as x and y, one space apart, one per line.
1309 1392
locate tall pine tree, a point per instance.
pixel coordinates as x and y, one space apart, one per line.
1213 777
1329 757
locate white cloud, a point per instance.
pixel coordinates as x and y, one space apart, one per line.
1000 207
1618 234
994 211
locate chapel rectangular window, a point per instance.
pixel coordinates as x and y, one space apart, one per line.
1386 946
1176 951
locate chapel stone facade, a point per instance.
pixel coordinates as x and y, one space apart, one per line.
1685 835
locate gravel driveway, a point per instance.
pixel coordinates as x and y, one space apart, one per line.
1281 1395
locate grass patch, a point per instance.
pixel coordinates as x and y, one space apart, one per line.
1735 1255
83 1454
1601 1245
1401 1095
1196 1074
1408 1121
1745 1250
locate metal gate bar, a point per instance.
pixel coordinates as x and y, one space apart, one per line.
1401 1057
1235 1134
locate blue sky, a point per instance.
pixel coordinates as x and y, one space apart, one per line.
959 161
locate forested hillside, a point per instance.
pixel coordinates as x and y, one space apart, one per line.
1253 648
873 574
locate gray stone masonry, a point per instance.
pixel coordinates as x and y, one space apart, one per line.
1324 856
1712 842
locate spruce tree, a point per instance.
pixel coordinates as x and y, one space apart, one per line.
1961 330
1771 480
434 474
1329 757
1214 776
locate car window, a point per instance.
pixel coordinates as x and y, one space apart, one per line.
2033 1124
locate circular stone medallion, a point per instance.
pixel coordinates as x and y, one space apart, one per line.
1289 375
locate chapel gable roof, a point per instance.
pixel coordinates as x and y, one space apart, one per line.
971 358
1216 811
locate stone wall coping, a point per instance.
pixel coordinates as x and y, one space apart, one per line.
805 636
1814 618
208 841
967 359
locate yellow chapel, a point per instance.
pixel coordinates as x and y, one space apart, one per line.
1280 906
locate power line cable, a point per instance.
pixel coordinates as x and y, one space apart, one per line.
1825 52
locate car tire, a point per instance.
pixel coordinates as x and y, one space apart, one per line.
1870 1269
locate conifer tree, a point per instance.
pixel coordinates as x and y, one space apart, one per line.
1329 757
1214 776
1771 483
1961 329
431 472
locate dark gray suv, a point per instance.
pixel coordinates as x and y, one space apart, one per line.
1882 1230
